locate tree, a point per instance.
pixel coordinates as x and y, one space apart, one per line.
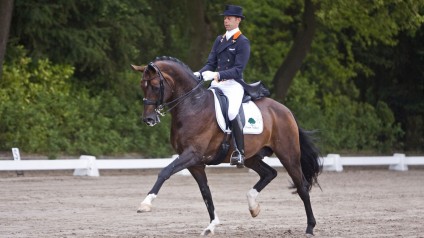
342 66
6 8
301 45
99 38
381 42
201 29
188 32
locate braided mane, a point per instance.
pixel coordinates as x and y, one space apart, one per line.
169 58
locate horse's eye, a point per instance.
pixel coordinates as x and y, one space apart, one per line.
155 88
154 84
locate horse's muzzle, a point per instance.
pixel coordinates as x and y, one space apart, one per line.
151 120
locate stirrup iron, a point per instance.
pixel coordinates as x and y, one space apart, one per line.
237 159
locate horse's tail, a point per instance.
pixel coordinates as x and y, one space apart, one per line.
309 158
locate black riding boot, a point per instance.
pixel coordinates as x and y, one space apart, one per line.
237 157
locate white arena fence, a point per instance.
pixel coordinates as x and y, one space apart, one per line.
88 165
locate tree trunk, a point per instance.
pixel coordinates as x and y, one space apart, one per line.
300 48
6 8
201 38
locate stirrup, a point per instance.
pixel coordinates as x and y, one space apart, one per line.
237 159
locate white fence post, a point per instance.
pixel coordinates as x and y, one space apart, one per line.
17 157
401 166
91 169
333 163
16 154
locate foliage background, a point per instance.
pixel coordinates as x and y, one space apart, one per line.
67 87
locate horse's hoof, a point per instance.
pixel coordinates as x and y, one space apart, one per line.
210 230
144 208
207 232
255 212
309 235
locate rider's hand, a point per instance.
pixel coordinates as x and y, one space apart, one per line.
197 74
209 75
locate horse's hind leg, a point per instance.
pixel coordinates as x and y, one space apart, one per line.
266 174
199 175
293 166
302 190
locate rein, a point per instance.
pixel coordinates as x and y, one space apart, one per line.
160 105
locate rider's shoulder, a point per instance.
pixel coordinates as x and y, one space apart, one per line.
242 37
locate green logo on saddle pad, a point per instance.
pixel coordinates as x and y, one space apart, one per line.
251 121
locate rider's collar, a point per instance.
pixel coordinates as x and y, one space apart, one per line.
235 32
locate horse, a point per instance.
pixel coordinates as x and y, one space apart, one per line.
168 83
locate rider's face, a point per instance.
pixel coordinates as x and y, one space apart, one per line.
231 22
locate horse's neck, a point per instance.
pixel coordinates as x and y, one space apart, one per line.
198 102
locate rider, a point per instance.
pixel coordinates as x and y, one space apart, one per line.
226 62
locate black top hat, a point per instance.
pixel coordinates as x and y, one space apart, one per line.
233 10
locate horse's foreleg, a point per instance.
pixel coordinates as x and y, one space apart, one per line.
266 174
199 175
146 204
182 162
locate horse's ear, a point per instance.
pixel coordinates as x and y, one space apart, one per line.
138 68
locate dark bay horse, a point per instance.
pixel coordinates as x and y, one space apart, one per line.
196 137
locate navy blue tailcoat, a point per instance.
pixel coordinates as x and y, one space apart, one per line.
229 57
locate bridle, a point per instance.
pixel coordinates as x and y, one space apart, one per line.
161 89
160 105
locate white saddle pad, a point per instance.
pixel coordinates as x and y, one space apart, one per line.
252 114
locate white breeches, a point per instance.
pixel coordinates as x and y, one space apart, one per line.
234 92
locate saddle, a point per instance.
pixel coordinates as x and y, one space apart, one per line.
250 114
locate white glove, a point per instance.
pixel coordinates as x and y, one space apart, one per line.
209 75
197 74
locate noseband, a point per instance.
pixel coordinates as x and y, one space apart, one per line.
160 105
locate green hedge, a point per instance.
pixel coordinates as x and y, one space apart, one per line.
343 124
42 111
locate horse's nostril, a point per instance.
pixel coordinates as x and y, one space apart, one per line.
149 121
